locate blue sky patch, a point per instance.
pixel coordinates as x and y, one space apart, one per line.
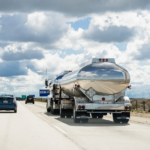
84 24
121 46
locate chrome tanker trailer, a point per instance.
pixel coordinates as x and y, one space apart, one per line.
94 89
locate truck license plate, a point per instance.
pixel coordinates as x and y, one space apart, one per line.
5 101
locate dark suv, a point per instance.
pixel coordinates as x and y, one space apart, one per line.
29 99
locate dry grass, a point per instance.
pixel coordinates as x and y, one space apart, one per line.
41 100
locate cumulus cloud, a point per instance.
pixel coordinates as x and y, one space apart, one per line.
110 34
35 27
74 7
12 69
10 56
143 53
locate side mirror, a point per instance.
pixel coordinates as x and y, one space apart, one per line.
46 82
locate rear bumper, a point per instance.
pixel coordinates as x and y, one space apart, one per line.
29 101
8 107
96 106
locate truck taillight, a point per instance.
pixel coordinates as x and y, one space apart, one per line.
129 86
77 86
83 107
79 107
103 99
130 107
103 60
126 107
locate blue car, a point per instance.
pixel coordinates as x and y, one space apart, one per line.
8 102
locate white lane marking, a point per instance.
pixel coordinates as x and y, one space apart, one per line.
60 129
39 115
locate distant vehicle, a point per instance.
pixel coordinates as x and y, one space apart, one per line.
29 99
8 102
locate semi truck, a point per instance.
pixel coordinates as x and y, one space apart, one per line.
94 89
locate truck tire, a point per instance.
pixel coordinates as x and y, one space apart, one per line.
61 112
85 114
48 110
51 103
115 118
15 111
68 116
85 120
100 116
94 115
75 115
125 121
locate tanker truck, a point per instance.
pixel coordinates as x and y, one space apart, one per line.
96 88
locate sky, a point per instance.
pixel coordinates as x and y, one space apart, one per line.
60 35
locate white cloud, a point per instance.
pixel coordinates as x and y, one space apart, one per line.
60 35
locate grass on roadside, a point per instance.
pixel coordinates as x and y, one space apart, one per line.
41 100
139 111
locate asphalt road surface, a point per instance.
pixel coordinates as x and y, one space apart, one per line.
32 128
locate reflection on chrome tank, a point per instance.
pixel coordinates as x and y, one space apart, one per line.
103 77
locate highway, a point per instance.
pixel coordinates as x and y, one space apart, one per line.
32 128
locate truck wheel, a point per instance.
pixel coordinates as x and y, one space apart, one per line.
15 111
48 110
125 121
115 118
68 116
52 110
94 115
100 116
85 120
85 114
75 115
61 112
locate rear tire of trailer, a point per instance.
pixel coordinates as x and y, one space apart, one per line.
94 115
85 114
85 120
68 116
100 116
75 115
115 118
125 121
